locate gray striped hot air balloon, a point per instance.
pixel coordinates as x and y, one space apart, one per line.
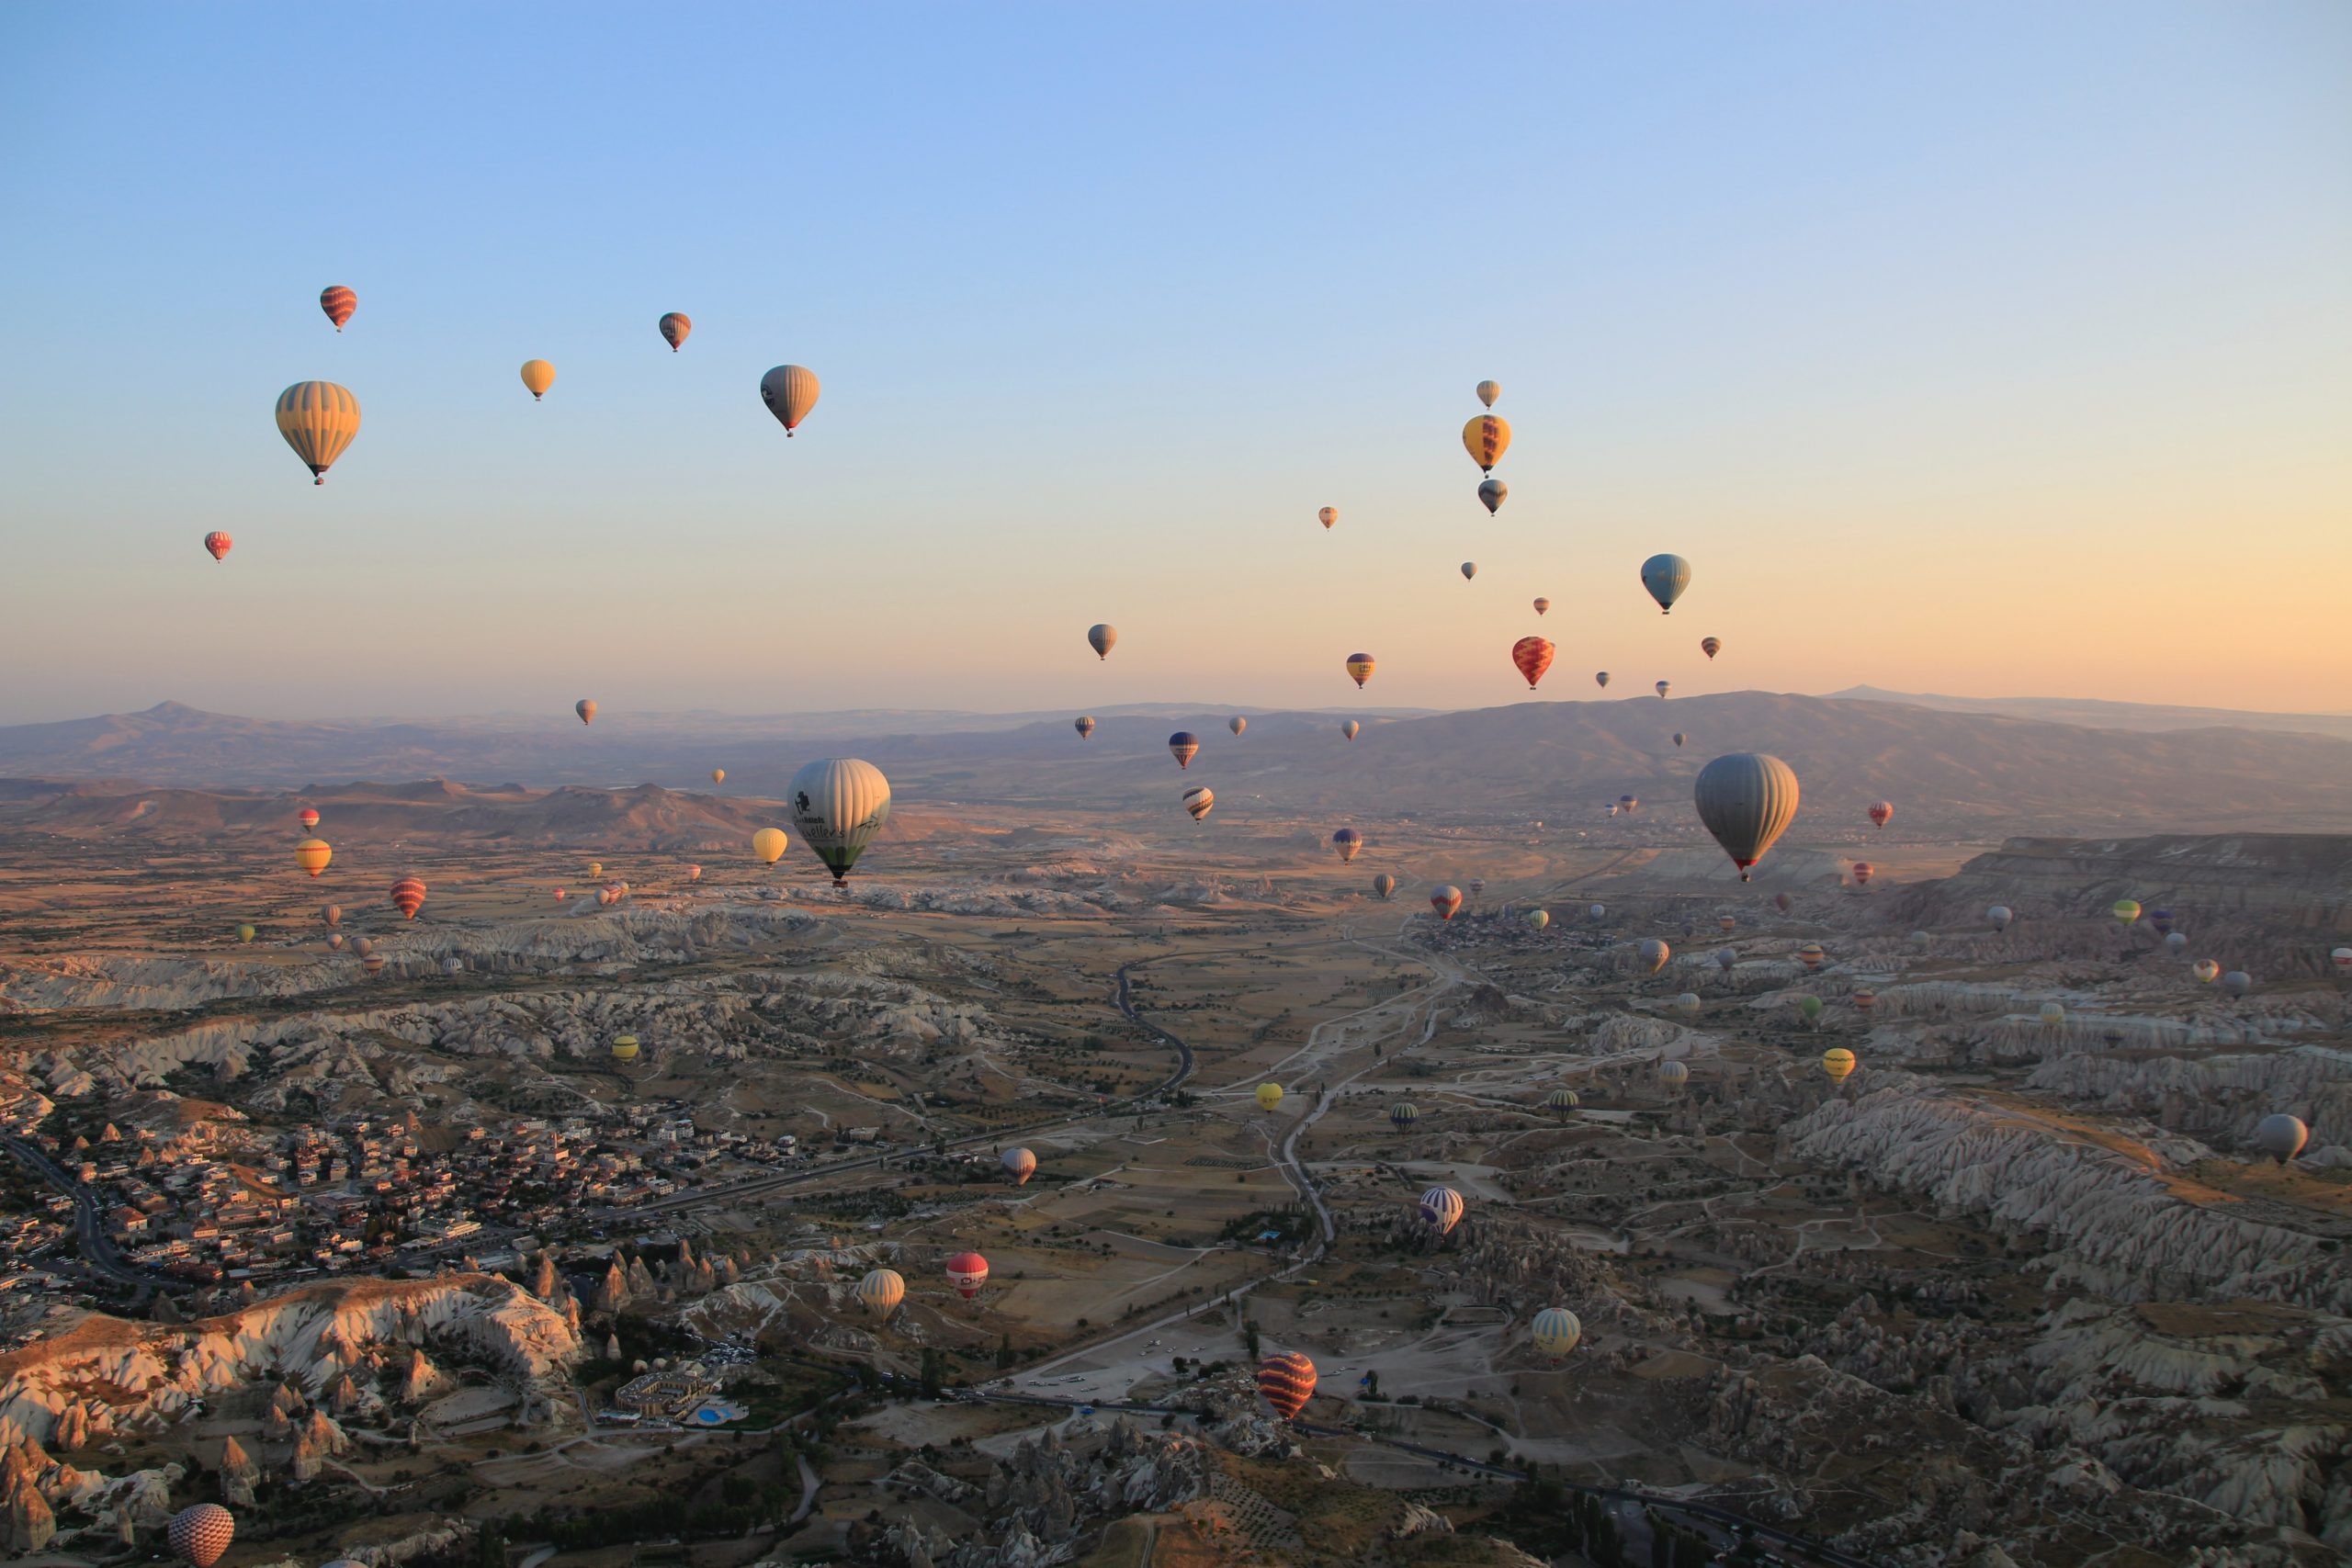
1746 800
1666 577
839 803
790 391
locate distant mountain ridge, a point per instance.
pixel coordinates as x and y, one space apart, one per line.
2095 713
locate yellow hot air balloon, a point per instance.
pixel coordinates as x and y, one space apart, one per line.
1557 1331
312 854
317 420
1268 1096
538 376
718 775
768 844
623 1047
881 1291
1839 1062
1486 438
1359 667
595 868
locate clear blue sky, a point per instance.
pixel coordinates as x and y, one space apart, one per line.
1980 348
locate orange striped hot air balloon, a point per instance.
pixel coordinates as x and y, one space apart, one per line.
408 897
1359 667
319 419
1711 646
373 963
1286 1383
1533 656
674 328
338 302
1541 605
219 544
312 854
1486 438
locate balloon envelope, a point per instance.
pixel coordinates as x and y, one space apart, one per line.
967 1272
1487 437
586 708
881 1291
538 376
1019 1164
1488 391
1199 802
1533 655
789 391
1555 1331
1839 1062
674 326
408 897
1183 746
1666 577
839 803
1442 1208
319 419
768 844
1711 646
1286 1383
1348 843
1327 516
1746 800
199 1535
1359 667
2281 1136
1351 729
1445 898
1101 637
1492 494
1268 1096
1652 954
1084 726
1384 885
338 302
218 544
312 854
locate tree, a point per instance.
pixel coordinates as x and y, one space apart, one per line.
1249 1336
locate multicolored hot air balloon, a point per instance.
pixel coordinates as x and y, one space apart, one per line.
789 392
199 1535
1839 1062
1628 804
1327 515
338 302
1101 637
1478 886
1183 746
1533 655
1348 843
1286 1383
1200 801
839 803
1350 730
1562 1100
307 819
2126 910
1541 605
537 377
1672 1075
1728 923
1359 667
595 868
1492 494
373 963
2341 958
362 946
1666 577
1881 813
693 874
319 419
1664 687
625 1047
674 327
1487 437
2162 921
1865 1003
408 897
312 854
1442 1208
1445 898
1403 1114
1020 1165
966 1271
1488 391
586 708
1084 725
1711 646
1383 886
2205 969
334 942
2281 1136
1556 1332
218 544
246 933
1746 800
1812 955
1539 918
881 1291
1863 872
1469 569
1688 1004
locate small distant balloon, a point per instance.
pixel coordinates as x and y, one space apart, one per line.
1839 1062
1726 958
1183 746
674 327
2205 969
218 544
1359 667
1492 494
1666 577
1327 516
1348 843
1020 1165
1383 886
1999 917
1652 955
1539 918
408 897
1812 955
1469 569
312 854
1101 637
1664 687
1881 813
1541 605
1673 1075
718 775
1782 902
331 915
2125 910
307 819
769 844
1084 725
319 419
586 708
1601 679
1863 872
1269 1095
2281 1136
789 391
1488 391
1199 802
338 302
538 376
2237 983
1445 898
1350 730
246 933
1746 800
1711 646
1680 738
1237 724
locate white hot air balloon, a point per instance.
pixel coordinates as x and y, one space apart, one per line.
839 803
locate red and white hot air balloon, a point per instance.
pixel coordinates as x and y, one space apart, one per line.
219 544
1445 898
309 817
1863 872
1286 1383
1020 1165
1881 813
1533 656
199 1535
967 1272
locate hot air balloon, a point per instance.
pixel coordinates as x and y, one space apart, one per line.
307 819
338 302
2341 957
1809 1009
1666 577
1555 1331
674 327
2162 921
1469 569
1533 655
1863 872
1487 437
1286 1383
790 392
1687 1004
408 897
1327 516
2125 910
1561 1101
1442 1208
718 775
693 874
881 1291
1999 916
1601 679
2176 940
1183 746
1728 923
218 544
1103 637
1628 804
1488 391
1477 885
246 933
1084 726
1237 724
199 1535
586 708
625 1047
1445 898
2237 983
317 420
2053 1015
967 1272
839 803
1539 918
1673 1075
362 946
1711 646
1359 667
1350 730
1020 1165
334 942
538 376
1839 1062
312 854
1492 494
1865 1001
1268 1096
1725 958
1782 902
1920 941
1597 912
596 869
1403 1114
1200 801
1881 813
1348 843
373 963
560 894
1812 955
1651 956
2205 969
1664 687
1746 800
1680 738
2281 1136
1383 886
